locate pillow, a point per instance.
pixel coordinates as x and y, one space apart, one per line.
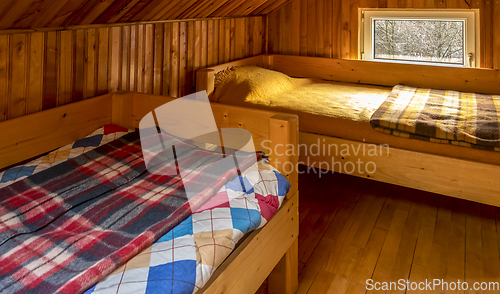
250 84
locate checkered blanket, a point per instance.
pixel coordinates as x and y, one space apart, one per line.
441 116
63 229
98 138
182 260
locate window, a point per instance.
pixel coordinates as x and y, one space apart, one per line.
433 37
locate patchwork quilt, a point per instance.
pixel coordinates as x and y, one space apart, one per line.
441 116
182 260
98 138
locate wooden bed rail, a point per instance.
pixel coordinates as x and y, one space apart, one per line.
455 177
31 135
389 74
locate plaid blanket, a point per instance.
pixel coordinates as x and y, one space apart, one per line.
441 116
99 137
183 260
66 227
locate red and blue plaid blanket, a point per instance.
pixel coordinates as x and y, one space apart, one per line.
63 229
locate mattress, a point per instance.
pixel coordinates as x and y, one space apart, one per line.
328 108
182 260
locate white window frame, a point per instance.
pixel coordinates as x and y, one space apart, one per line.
469 16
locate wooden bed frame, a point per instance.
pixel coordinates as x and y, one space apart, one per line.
450 176
267 252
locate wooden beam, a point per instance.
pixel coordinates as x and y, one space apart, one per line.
390 74
34 134
449 176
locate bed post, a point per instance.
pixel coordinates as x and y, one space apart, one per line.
205 79
283 133
268 61
284 277
123 105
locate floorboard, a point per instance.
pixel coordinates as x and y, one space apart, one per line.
353 229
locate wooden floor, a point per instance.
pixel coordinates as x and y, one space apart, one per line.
353 229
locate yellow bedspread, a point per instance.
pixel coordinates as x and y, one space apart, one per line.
259 86
334 109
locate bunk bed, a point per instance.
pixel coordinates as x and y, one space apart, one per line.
445 169
269 252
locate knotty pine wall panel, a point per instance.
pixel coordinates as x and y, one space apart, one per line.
329 28
45 69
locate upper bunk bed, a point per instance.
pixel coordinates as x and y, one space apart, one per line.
359 88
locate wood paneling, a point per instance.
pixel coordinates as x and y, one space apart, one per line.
4 75
41 70
18 73
329 28
34 14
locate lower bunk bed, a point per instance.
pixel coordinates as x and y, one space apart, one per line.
269 251
335 129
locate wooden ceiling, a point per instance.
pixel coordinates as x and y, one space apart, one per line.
29 14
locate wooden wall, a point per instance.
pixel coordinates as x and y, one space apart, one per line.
45 69
329 28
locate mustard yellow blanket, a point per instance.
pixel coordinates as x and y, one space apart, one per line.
259 86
